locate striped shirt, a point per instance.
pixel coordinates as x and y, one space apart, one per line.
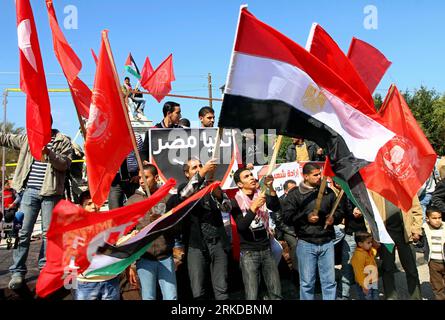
132 163
436 244
38 169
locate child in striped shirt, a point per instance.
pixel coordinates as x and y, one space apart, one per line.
434 231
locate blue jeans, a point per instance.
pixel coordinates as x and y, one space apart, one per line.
339 234
255 263
140 104
102 290
347 273
30 205
373 294
310 256
152 271
424 202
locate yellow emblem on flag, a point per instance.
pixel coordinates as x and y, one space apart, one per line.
313 99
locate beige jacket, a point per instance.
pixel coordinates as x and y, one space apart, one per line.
412 219
59 160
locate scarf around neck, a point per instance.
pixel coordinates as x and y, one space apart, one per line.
245 202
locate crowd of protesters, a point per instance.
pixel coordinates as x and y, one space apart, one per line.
196 259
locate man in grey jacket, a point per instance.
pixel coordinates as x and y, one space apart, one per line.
42 183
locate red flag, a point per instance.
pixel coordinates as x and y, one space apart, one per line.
147 70
159 83
369 62
108 139
405 162
321 45
94 56
70 64
32 81
327 169
75 234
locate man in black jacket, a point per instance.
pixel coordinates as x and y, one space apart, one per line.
251 219
286 232
204 235
315 233
438 198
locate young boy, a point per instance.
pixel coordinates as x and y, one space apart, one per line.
95 287
434 230
365 267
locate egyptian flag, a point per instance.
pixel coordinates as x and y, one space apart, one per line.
275 83
131 67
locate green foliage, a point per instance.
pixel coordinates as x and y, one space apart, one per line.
378 101
428 107
282 153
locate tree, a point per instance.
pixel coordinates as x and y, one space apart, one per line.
428 107
11 156
378 101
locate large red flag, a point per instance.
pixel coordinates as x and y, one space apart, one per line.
70 64
159 83
75 235
32 81
108 139
369 62
147 70
405 162
321 45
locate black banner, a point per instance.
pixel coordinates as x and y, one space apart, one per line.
170 149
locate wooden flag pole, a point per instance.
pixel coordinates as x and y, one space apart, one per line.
336 203
320 195
273 160
388 96
124 108
215 153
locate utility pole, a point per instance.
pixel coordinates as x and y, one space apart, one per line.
209 78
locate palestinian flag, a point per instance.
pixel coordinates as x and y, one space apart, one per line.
364 201
275 83
131 67
75 235
114 259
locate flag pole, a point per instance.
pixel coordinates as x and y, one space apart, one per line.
5 102
320 195
336 203
387 98
124 108
273 160
79 117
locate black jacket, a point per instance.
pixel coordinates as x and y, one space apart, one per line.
281 227
205 211
352 224
251 240
298 206
438 199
